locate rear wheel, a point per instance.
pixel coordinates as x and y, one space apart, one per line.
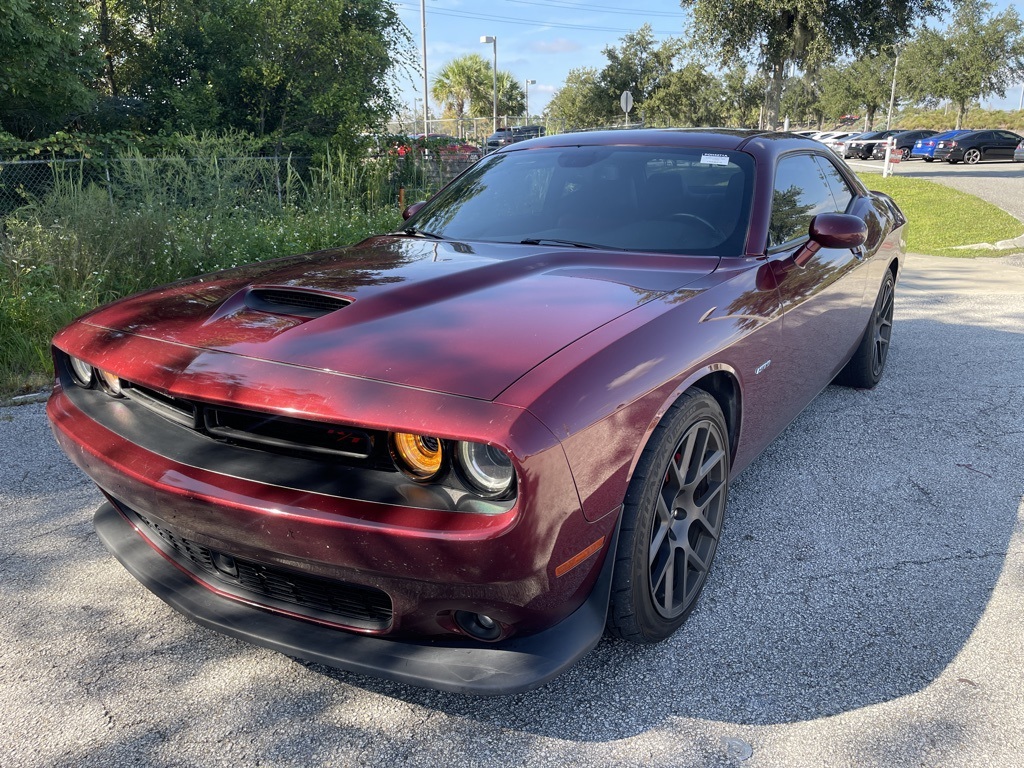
905 153
867 365
972 156
671 521
928 159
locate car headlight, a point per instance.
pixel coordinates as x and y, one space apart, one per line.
419 456
81 371
485 468
111 383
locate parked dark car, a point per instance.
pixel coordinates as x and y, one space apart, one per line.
500 138
925 148
976 146
864 145
456 454
524 132
904 143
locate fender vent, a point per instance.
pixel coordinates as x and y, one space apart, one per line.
285 301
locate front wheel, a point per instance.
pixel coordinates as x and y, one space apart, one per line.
928 159
865 368
671 521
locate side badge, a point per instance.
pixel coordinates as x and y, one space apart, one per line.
762 367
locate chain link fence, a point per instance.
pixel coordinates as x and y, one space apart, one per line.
242 181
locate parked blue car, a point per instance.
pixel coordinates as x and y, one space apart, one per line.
925 148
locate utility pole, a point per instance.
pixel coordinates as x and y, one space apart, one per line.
892 93
423 34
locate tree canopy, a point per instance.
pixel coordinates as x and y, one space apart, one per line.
47 62
298 70
808 33
979 53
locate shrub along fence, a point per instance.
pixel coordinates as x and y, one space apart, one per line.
78 233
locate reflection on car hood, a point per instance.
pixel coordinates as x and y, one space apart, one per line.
467 319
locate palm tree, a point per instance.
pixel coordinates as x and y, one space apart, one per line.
461 80
511 97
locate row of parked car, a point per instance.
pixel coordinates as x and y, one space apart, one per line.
450 146
966 146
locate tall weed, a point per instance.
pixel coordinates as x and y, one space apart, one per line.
162 219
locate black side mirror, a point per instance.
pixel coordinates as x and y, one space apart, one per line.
832 230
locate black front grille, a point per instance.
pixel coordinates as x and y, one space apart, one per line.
347 604
263 430
293 302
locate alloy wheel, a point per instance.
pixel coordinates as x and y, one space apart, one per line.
688 521
883 327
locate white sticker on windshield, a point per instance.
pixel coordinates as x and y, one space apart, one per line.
714 159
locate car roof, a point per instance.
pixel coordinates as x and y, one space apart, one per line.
724 138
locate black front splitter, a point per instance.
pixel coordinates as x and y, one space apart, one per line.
512 666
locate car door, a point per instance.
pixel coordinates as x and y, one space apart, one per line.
823 302
1007 142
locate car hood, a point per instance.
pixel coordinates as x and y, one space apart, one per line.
462 318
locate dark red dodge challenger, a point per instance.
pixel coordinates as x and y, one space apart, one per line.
456 454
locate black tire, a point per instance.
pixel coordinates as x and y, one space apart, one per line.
671 521
905 153
867 365
928 159
972 156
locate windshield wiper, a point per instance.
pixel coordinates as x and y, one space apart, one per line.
413 232
554 241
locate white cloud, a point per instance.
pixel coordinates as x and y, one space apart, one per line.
558 45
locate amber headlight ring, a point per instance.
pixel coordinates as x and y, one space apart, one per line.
420 457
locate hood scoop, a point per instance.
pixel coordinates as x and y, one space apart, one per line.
294 301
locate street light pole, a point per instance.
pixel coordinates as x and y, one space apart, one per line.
494 72
528 84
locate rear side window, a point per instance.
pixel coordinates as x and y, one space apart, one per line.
841 192
801 192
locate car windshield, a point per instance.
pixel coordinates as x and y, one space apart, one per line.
658 199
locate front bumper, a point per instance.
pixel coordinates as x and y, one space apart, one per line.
516 665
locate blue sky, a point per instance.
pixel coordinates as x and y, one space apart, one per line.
543 39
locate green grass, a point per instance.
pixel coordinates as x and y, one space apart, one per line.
942 218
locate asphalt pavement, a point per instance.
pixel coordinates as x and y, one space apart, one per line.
864 608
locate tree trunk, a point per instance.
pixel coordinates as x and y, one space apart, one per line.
870 114
775 93
105 41
961 112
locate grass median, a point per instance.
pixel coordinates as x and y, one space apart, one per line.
942 220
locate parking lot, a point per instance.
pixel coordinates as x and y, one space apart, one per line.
864 609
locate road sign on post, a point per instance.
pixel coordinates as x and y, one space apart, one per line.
626 102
